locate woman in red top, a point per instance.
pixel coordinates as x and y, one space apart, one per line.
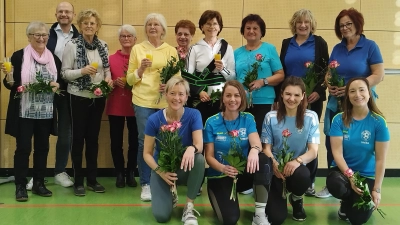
119 108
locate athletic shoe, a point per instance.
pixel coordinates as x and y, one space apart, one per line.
324 193
188 218
63 179
146 193
298 210
260 219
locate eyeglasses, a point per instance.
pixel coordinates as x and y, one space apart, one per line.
125 36
37 36
89 23
211 24
347 25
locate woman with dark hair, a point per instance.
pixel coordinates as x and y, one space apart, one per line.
293 126
357 56
296 51
184 32
85 61
219 141
33 114
270 72
365 153
202 56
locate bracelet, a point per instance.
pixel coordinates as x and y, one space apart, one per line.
299 160
195 149
348 173
156 169
257 148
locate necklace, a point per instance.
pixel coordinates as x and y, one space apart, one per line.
251 48
234 123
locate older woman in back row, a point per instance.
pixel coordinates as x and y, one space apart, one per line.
119 108
145 63
296 51
33 113
201 57
357 56
85 61
184 32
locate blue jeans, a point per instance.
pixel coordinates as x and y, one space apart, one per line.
142 114
64 140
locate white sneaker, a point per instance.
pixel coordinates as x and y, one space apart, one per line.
29 185
63 179
324 193
188 218
260 219
247 192
146 193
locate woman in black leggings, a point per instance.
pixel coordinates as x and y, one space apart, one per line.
232 129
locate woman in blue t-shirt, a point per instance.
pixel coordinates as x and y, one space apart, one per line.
360 140
192 165
233 132
294 127
356 56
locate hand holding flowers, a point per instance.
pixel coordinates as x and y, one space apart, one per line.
40 86
236 161
251 76
335 82
283 159
102 89
365 201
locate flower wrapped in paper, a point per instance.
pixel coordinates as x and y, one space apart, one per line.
334 79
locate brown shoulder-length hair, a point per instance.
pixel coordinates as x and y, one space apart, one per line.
348 107
242 92
301 108
355 16
209 15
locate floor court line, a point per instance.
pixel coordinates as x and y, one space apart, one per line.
148 205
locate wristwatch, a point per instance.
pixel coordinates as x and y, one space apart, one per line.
265 81
377 190
195 149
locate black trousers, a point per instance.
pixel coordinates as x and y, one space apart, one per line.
259 111
297 184
86 119
117 124
313 165
40 130
339 186
219 191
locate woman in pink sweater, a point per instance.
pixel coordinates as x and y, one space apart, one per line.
119 108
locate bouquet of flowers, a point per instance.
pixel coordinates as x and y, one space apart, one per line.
334 79
171 150
173 67
40 86
284 156
252 75
215 96
101 89
310 79
235 158
365 200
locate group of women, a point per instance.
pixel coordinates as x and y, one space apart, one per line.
257 134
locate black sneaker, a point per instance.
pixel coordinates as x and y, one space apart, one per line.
79 190
310 192
96 187
298 211
342 215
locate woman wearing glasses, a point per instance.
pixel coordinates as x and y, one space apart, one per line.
119 108
85 60
357 56
32 113
215 55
